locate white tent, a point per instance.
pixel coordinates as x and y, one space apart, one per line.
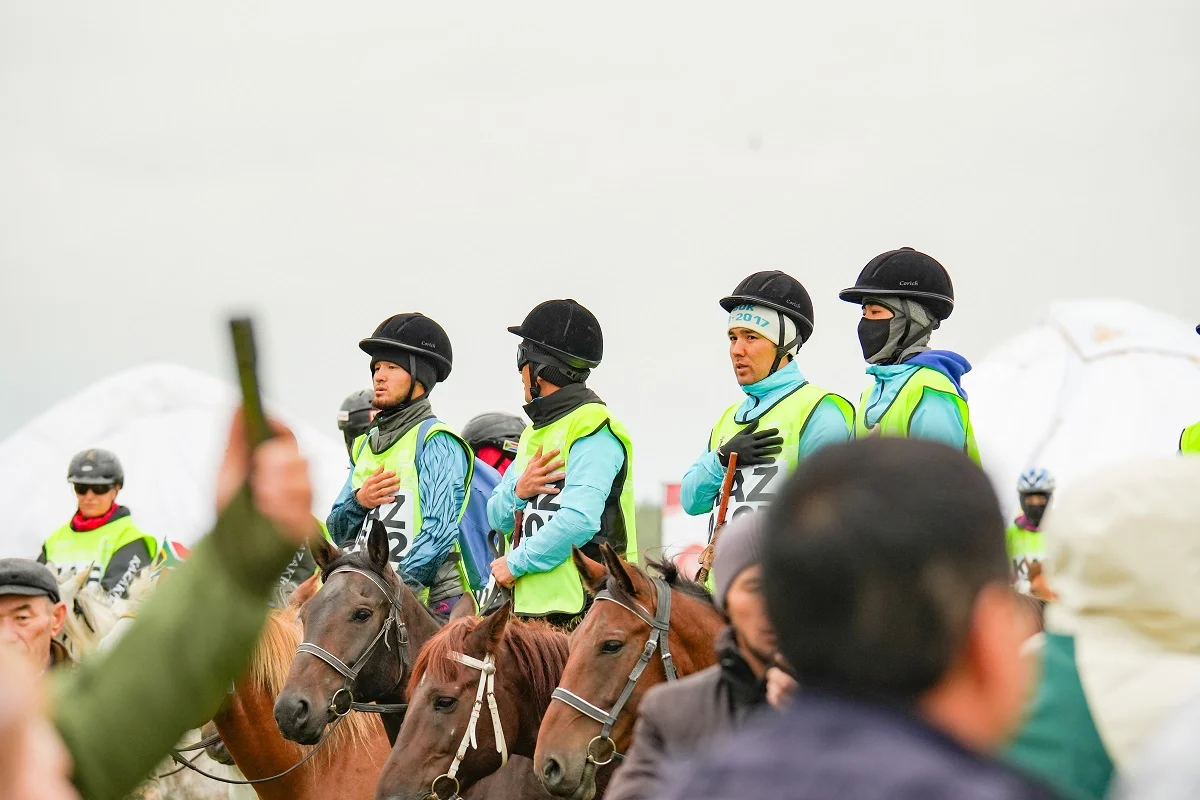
1097 382
168 425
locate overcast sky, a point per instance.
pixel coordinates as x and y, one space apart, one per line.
329 165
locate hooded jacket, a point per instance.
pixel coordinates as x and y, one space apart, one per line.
936 418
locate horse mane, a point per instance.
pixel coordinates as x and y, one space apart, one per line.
539 650
269 666
669 572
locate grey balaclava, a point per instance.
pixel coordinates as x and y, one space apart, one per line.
911 320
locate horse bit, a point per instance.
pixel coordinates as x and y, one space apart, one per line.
351 673
660 626
487 684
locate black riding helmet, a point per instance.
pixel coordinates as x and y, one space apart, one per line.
494 428
95 467
905 273
563 339
354 417
785 294
415 342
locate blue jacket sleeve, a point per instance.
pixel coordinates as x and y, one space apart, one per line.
826 427
591 468
937 418
346 517
442 479
503 504
701 485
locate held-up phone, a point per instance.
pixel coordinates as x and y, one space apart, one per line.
257 430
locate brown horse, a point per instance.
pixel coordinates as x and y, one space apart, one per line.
365 618
528 658
348 763
606 649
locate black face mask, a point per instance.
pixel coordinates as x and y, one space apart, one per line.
1033 512
873 335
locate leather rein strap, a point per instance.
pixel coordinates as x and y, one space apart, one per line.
660 626
350 673
487 685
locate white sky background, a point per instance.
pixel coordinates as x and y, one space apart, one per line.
329 165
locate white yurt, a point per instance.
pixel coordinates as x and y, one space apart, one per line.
1096 382
168 425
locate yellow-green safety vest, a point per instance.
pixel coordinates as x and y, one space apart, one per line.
1189 440
402 518
67 547
560 591
1025 548
896 419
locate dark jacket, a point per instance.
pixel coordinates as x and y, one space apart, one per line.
828 748
675 719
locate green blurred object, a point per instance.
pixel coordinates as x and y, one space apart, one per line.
245 352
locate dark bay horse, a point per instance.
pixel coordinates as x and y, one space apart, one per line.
362 632
348 763
444 690
610 665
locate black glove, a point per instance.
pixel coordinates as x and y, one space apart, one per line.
752 447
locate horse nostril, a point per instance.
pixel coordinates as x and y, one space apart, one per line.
301 712
552 772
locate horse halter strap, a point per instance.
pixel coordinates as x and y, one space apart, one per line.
660 626
487 685
351 673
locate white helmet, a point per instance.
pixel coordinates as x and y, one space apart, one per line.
1035 480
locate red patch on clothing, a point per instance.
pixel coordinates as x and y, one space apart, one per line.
82 524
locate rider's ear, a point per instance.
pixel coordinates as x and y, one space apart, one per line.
616 568
378 548
490 631
593 573
324 552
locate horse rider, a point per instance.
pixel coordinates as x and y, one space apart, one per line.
783 418
571 482
1189 440
410 470
101 536
676 718
905 296
355 417
1026 552
32 612
494 438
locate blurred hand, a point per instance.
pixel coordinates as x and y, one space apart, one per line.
780 687
540 475
379 488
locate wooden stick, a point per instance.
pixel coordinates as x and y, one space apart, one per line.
709 554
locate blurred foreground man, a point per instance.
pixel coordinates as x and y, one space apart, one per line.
677 718
31 612
101 537
887 580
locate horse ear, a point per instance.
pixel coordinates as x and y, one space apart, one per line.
593 573
490 631
378 548
324 552
304 592
616 568
465 607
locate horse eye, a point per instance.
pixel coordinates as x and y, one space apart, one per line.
444 704
611 646
362 615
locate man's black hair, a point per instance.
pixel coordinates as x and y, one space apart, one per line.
875 553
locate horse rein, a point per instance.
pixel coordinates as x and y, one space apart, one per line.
351 673
487 684
602 749
184 763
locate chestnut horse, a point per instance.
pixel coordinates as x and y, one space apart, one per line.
606 650
365 618
349 761
528 658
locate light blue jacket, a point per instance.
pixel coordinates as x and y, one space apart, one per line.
441 481
936 417
702 483
591 469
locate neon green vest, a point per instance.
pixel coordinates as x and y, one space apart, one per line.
67 548
1024 549
560 590
1189 442
755 487
896 419
402 518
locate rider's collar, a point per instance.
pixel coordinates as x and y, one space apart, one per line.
553 407
390 425
782 378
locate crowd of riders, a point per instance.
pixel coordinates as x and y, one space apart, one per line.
900 611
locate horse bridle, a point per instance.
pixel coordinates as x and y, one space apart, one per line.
487 685
350 673
660 626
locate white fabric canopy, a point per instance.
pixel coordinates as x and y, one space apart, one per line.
1097 382
168 425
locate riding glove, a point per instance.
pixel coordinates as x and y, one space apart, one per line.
752 447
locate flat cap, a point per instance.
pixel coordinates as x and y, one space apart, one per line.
27 577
